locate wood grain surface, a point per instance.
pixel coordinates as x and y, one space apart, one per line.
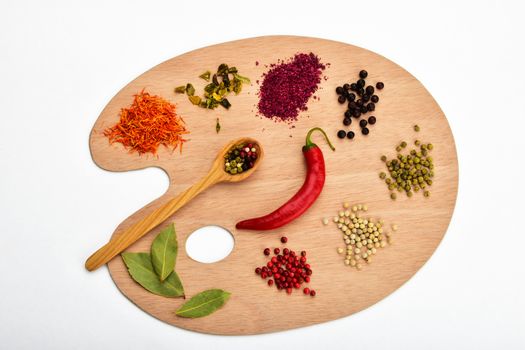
352 175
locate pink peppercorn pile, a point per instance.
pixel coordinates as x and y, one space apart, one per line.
288 271
287 87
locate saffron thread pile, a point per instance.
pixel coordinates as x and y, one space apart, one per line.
149 122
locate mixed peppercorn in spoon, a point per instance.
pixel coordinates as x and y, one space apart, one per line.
240 158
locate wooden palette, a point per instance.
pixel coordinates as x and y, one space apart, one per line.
352 175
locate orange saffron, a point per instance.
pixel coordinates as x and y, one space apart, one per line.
150 121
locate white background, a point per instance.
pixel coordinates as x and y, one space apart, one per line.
60 63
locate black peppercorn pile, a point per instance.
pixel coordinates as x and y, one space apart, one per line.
361 100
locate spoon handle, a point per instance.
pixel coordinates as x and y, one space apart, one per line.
140 228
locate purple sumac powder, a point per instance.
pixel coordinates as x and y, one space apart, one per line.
287 86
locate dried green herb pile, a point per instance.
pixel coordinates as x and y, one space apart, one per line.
225 80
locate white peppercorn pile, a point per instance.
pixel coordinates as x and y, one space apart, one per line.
363 236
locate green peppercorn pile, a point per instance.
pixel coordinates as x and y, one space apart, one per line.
409 172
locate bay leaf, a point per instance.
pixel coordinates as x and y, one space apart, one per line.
204 303
141 270
164 252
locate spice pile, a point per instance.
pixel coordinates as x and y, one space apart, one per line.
287 271
150 121
222 83
358 108
240 158
362 236
410 172
288 85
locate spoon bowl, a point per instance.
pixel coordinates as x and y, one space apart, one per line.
218 163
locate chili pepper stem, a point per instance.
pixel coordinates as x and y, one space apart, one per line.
310 144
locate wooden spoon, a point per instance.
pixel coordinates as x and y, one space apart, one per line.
159 215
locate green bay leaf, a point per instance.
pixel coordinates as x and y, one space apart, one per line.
141 270
204 303
164 252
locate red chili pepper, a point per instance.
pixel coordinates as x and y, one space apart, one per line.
304 198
